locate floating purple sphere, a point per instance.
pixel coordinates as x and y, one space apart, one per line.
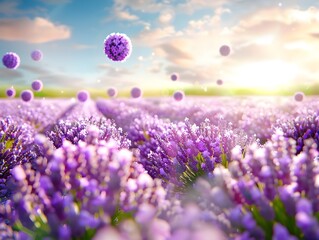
112 92
26 95
37 85
299 96
178 95
83 95
219 82
117 47
36 55
174 76
11 60
224 50
11 92
136 92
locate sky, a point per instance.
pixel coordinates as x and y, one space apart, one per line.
273 43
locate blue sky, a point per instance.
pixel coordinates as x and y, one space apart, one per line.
273 43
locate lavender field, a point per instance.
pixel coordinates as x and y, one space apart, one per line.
202 168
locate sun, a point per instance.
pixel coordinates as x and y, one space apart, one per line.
270 74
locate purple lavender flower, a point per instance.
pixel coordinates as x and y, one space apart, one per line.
219 82
11 92
112 92
271 181
299 96
117 46
181 153
37 85
224 50
88 130
174 76
36 55
178 95
301 128
26 95
83 95
280 232
16 147
136 92
11 60
78 189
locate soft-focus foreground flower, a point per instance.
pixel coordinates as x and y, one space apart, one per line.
15 148
75 190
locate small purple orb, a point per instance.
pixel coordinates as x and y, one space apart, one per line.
36 55
11 60
219 82
224 50
11 92
26 95
37 85
112 92
174 76
299 96
83 95
136 92
117 47
178 95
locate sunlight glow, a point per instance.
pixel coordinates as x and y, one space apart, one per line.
266 74
265 40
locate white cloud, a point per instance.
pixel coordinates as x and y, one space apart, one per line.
154 37
38 30
190 6
166 16
290 37
125 15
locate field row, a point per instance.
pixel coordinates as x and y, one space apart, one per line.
232 168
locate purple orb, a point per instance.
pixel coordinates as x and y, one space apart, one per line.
299 96
178 96
83 95
26 95
219 82
11 60
224 50
36 55
112 92
37 85
136 92
174 76
117 47
11 92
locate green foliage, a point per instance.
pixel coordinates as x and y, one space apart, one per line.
119 216
281 216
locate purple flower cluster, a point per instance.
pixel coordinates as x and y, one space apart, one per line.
302 128
77 189
15 148
278 189
117 47
36 55
11 60
82 130
155 169
180 153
